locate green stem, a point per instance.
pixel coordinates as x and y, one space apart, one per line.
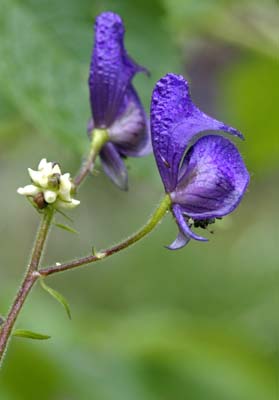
150 225
30 278
99 138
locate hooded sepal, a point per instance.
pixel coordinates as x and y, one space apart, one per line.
111 69
175 121
180 241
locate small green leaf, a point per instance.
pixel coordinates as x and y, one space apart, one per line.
65 215
66 228
58 296
30 335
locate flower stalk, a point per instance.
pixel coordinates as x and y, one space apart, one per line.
156 217
31 276
99 138
33 272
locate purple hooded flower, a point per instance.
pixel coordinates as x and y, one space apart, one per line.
114 102
208 181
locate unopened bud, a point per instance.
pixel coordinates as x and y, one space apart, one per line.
50 186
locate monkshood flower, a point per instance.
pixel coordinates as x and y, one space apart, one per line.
115 105
205 177
49 186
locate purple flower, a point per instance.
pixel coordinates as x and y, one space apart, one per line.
114 102
208 181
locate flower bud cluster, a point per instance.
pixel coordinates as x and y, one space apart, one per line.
49 186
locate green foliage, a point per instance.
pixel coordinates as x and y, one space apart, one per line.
30 334
35 78
57 296
149 356
66 228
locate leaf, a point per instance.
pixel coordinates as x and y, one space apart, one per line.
66 228
58 296
64 215
30 334
50 89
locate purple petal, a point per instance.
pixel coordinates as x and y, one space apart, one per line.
183 226
214 179
114 166
175 120
180 241
111 69
130 131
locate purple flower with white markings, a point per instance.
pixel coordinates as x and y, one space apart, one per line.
205 177
115 104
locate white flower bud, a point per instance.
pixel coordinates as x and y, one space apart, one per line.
65 187
42 164
48 169
50 196
36 176
28 190
56 169
54 187
67 204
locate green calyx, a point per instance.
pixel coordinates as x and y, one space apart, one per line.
99 138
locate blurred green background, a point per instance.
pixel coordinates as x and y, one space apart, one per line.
148 324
